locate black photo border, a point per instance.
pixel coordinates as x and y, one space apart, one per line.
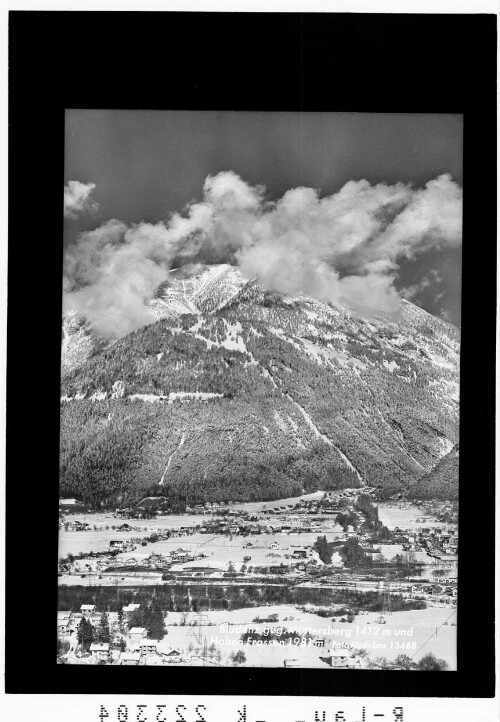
234 61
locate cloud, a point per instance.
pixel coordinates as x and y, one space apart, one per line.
77 199
430 279
445 315
432 219
111 274
344 248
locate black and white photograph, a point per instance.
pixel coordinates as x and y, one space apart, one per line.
250 388
259 403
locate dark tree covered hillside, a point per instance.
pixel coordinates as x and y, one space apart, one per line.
442 481
116 452
296 396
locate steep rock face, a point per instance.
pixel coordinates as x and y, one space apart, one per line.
270 395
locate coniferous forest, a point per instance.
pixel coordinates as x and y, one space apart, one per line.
289 406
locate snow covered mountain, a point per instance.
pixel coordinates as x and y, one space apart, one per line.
191 289
196 289
238 392
78 343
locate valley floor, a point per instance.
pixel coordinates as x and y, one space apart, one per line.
211 637
412 633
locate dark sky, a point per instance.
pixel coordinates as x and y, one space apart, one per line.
146 164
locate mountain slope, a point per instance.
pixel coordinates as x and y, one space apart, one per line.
270 395
78 342
191 289
442 481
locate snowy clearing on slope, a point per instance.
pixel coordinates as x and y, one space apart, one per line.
176 396
181 443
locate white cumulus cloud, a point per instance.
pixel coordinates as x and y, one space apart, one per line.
344 248
77 199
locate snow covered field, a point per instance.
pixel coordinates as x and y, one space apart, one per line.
405 518
218 548
290 501
412 633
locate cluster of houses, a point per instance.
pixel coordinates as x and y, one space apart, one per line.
160 561
435 547
75 525
227 510
225 519
152 506
140 650
434 540
447 590
445 511
210 507
109 565
157 505
336 657
252 527
443 542
129 646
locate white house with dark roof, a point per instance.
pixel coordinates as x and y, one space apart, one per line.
99 651
149 646
130 659
113 618
87 609
64 626
130 609
117 544
137 634
171 652
338 658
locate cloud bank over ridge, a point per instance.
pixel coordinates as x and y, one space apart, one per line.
344 248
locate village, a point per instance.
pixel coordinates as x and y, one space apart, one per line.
307 551
282 636
275 539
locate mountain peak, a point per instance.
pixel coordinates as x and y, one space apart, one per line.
279 392
196 289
